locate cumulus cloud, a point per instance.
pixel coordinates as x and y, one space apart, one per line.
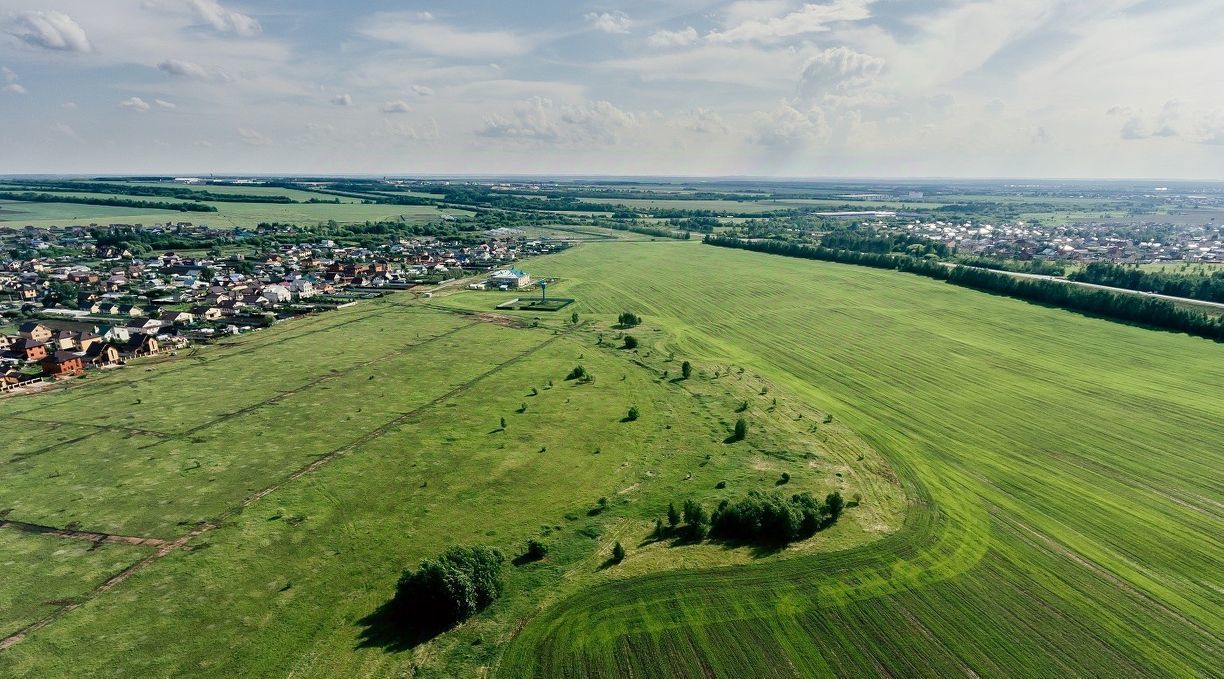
135 104
811 18
397 106
224 20
789 126
188 69
13 88
342 100
49 30
610 22
838 68
702 121
1185 120
540 120
423 33
680 38
162 103
252 137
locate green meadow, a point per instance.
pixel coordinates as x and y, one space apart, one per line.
1040 489
303 467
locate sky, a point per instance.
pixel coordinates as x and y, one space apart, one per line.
838 88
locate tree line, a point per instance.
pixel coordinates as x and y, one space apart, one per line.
1116 306
30 197
769 519
180 192
1207 288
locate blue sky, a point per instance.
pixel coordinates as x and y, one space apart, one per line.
1052 88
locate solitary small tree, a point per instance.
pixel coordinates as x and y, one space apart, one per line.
630 342
741 430
618 553
658 531
673 516
632 414
686 369
503 423
574 318
834 504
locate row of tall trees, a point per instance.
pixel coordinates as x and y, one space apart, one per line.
1209 288
30 197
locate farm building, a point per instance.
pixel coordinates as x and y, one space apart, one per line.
509 278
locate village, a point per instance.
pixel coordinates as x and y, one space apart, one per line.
69 305
1079 242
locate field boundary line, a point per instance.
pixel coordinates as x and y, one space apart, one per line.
75 534
167 548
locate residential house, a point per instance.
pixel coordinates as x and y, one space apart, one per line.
28 349
35 331
102 354
176 318
63 364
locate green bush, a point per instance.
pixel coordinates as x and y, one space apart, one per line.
451 588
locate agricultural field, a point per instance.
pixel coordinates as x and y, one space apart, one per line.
277 484
1040 494
1063 468
752 206
17 213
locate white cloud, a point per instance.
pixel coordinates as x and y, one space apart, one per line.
8 74
397 106
789 126
253 137
162 103
811 18
422 90
1184 120
50 30
69 106
703 121
14 88
539 120
422 33
66 130
838 68
224 20
610 22
342 100
680 38
188 69
135 104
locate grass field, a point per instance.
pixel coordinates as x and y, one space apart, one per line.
1041 489
1067 468
299 469
16 214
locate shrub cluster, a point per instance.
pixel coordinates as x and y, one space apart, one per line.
770 518
628 319
451 588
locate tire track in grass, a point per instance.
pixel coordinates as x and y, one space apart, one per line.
166 548
73 534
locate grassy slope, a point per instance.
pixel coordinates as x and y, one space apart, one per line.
285 584
1069 466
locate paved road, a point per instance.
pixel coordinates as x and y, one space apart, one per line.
1128 291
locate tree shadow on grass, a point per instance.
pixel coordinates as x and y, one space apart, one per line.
391 629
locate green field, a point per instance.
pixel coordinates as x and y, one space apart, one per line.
17 213
293 554
1041 494
1068 467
